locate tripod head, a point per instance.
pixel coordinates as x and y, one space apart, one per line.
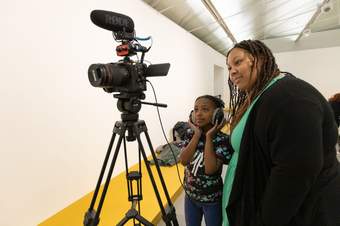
130 104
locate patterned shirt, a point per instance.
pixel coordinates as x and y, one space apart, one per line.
199 186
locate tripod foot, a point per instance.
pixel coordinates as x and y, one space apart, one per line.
90 218
170 216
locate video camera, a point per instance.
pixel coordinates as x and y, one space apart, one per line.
125 76
129 79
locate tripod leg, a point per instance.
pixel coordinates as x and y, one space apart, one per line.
171 216
147 164
92 217
108 153
107 182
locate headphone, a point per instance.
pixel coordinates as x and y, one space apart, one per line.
218 114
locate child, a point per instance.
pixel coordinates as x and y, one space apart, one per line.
203 153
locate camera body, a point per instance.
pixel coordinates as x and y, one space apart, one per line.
127 77
124 76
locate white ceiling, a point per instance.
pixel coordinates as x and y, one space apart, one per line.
284 25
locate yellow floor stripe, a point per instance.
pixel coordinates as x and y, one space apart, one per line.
116 203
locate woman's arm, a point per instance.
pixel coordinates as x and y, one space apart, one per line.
296 150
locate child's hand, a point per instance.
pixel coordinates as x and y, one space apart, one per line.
195 128
217 127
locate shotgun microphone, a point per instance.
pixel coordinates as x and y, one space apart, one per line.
112 21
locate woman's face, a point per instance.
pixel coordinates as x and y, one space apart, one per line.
240 64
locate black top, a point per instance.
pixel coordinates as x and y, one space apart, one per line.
287 172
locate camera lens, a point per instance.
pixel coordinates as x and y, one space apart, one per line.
95 74
108 75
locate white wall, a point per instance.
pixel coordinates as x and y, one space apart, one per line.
319 67
220 83
55 127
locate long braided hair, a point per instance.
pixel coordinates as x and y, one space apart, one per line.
266 68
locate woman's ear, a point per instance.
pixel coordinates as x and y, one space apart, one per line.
251 59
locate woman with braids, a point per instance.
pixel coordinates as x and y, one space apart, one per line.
284 170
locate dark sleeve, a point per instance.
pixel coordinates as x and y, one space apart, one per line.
183 143
295 143
223 148
336 111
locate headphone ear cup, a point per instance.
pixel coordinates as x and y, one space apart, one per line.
192 117
218 116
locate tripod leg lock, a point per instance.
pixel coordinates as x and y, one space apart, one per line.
90 218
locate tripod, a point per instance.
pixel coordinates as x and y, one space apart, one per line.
134 127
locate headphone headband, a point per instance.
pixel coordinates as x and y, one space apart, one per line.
218 101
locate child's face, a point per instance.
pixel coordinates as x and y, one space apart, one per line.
203 110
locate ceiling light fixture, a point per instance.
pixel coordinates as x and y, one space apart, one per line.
327 7
213 11
311 21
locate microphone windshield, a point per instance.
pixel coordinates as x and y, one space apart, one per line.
112 21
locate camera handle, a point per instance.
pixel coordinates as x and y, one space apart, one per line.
91 217
155 104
